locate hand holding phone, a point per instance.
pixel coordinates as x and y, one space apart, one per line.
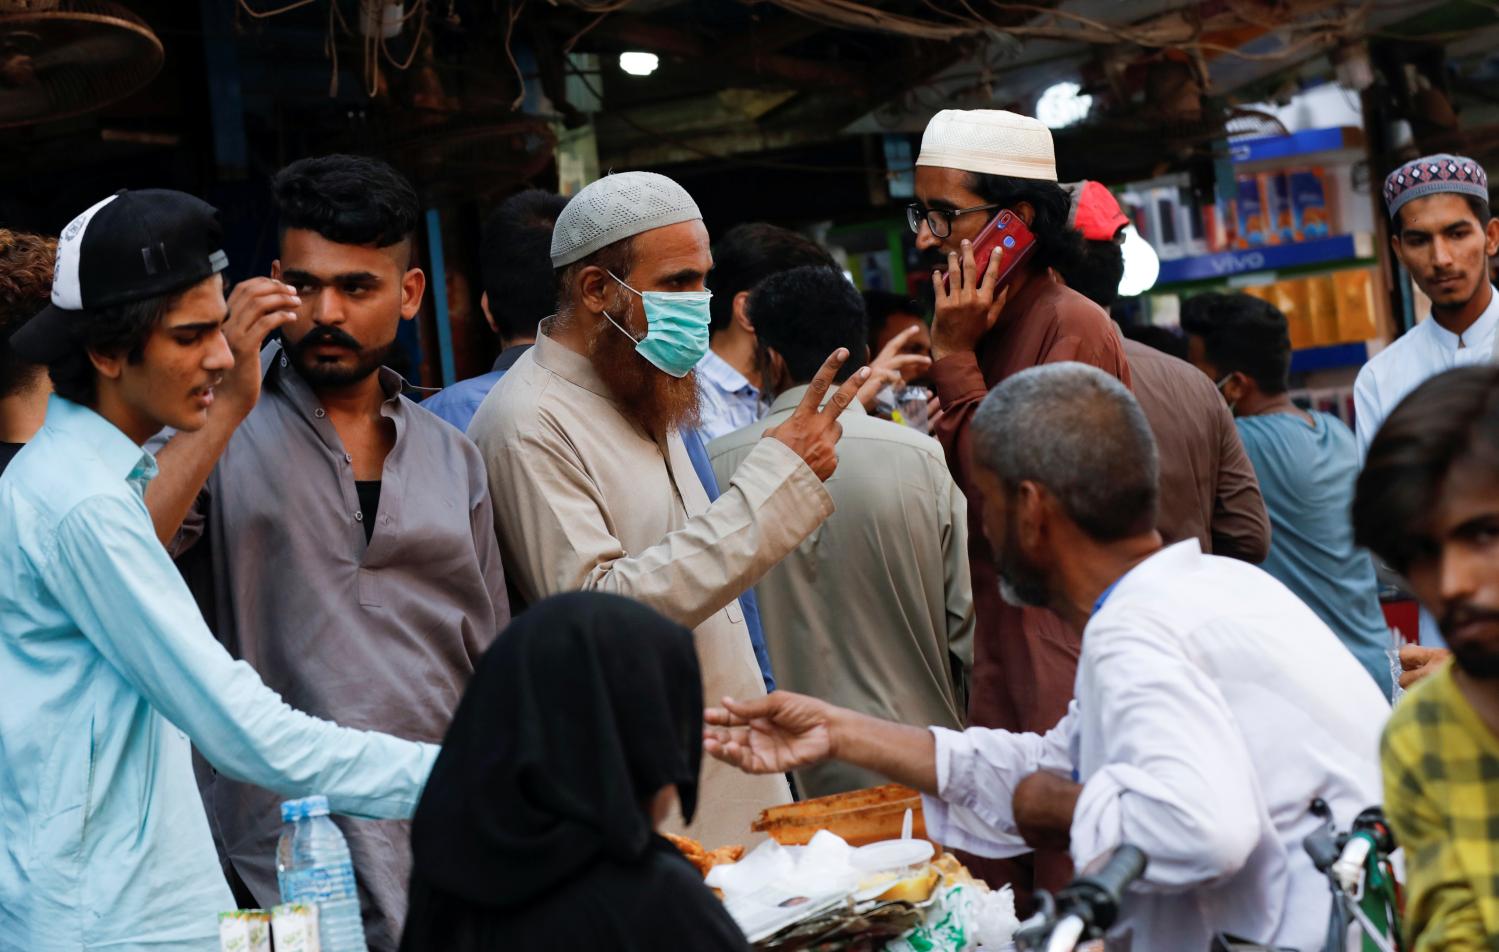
1006 233
972 292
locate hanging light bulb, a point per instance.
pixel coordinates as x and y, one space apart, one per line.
639 64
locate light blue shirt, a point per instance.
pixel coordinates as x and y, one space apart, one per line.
109 677
1306 475
458 404
727 400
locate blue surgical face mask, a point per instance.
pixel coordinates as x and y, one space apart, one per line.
676 335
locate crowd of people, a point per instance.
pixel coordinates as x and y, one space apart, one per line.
1110 597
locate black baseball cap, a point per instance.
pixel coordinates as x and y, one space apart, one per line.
129 247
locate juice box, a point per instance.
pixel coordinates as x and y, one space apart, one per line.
1280 220
1310 208
1250 209
245 930
294 927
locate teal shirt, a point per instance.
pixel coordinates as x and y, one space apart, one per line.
108 676
1306 475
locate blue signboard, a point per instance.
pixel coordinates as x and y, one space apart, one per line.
1225 264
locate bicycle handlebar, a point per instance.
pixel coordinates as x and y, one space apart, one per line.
1087 907
1105 888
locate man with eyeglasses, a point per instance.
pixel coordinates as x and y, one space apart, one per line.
972 165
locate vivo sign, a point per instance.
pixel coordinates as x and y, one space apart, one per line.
1270 258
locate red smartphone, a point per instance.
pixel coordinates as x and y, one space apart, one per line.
1006 231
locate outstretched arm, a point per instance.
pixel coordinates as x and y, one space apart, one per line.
784 731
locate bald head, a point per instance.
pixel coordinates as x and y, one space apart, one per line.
1077 432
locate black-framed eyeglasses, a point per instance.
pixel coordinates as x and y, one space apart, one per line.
939 220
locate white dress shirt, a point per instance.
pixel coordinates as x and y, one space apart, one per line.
1390 375
1420 354
1212 707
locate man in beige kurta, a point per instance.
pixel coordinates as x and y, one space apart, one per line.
874 610
587 497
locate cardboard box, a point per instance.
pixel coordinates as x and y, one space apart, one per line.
1356 306
1322 310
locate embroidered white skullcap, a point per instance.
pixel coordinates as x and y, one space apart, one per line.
989 141
616 207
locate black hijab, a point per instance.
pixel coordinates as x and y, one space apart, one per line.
580 711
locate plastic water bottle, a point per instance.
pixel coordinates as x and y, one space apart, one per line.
313 865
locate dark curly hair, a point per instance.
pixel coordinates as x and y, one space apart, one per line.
120 329
807 313
1058 245
348 199
26 262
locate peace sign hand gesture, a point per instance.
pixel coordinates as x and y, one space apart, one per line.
813 430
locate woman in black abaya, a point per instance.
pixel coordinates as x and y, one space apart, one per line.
537 828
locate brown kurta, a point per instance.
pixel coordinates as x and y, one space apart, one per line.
1208 487
1024 660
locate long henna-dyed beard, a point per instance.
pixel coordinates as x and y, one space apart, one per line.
655 400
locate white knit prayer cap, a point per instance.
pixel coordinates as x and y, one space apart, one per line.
991 142
616 207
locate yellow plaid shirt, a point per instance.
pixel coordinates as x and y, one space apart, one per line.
1441 790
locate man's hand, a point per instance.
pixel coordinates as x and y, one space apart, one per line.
967 310
812 431
772 734
256 308
1043 806
888 369
1417 663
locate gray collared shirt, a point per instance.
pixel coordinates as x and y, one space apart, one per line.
380 636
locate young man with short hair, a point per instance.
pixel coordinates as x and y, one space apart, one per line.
1428 504
110 676
518 293
385 585
874 612
26 263
1307 463
1444 233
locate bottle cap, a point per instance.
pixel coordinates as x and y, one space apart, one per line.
291 810
316 805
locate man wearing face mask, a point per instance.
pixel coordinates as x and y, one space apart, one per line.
342 540
1306 462
592 485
